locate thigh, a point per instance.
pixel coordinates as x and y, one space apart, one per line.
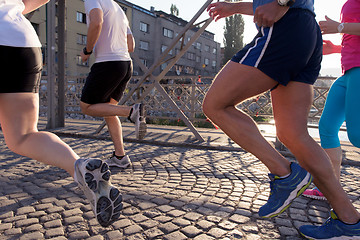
103 80
291 106
236 83
18 114
125 67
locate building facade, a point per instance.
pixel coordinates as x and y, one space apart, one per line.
153 31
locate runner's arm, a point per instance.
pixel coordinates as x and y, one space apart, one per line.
31 5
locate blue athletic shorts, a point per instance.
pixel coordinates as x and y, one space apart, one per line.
290 50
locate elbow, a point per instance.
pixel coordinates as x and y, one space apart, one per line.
97 24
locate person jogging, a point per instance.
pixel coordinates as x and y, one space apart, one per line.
21 66
284 57
110 37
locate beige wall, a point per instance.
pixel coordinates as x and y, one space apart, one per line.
74 28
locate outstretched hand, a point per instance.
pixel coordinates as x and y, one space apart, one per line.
329 47
220 10
328 26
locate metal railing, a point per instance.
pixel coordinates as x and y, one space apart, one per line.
187 92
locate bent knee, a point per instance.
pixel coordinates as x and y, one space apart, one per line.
84 107
14 143
207 107
290 136
211 106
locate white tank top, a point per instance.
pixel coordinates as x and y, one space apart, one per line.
15 29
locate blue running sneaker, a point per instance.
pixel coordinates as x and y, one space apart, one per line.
93 177
333 229
284 190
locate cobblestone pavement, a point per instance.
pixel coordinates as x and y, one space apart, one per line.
170 192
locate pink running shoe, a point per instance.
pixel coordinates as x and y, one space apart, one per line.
314 194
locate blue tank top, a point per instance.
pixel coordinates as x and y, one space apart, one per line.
305 4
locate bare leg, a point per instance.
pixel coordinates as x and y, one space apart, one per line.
234 84
115 130
291 105
19 117
335 155
105 109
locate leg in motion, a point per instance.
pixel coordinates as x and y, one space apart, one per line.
119 158
219 106
21 136
330 122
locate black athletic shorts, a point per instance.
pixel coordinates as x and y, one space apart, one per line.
20 69
106 80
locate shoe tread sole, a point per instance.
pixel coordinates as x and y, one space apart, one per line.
108 199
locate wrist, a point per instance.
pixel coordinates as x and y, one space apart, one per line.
87 52
340 28
285 3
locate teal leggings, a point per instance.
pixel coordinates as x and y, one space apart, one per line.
342 104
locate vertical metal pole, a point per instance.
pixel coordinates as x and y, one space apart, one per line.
61 43
50 43
193 99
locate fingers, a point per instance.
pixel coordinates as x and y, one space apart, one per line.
211 10
262 21
210 6
328 19
215 11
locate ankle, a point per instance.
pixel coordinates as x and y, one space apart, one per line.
118 156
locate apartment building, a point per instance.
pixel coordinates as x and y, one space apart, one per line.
153 32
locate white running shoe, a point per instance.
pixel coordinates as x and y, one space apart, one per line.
124 162
93 177
137 117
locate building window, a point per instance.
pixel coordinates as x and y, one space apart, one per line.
144 27
168 33
207 48
163 66
198 59
213 64
144 45
81 39
214 51
80 17
80 62
163 49
206 61
145 62
190 56
197 45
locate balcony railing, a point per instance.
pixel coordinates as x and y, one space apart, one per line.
187 92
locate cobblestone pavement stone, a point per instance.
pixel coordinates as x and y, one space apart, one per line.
170 192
